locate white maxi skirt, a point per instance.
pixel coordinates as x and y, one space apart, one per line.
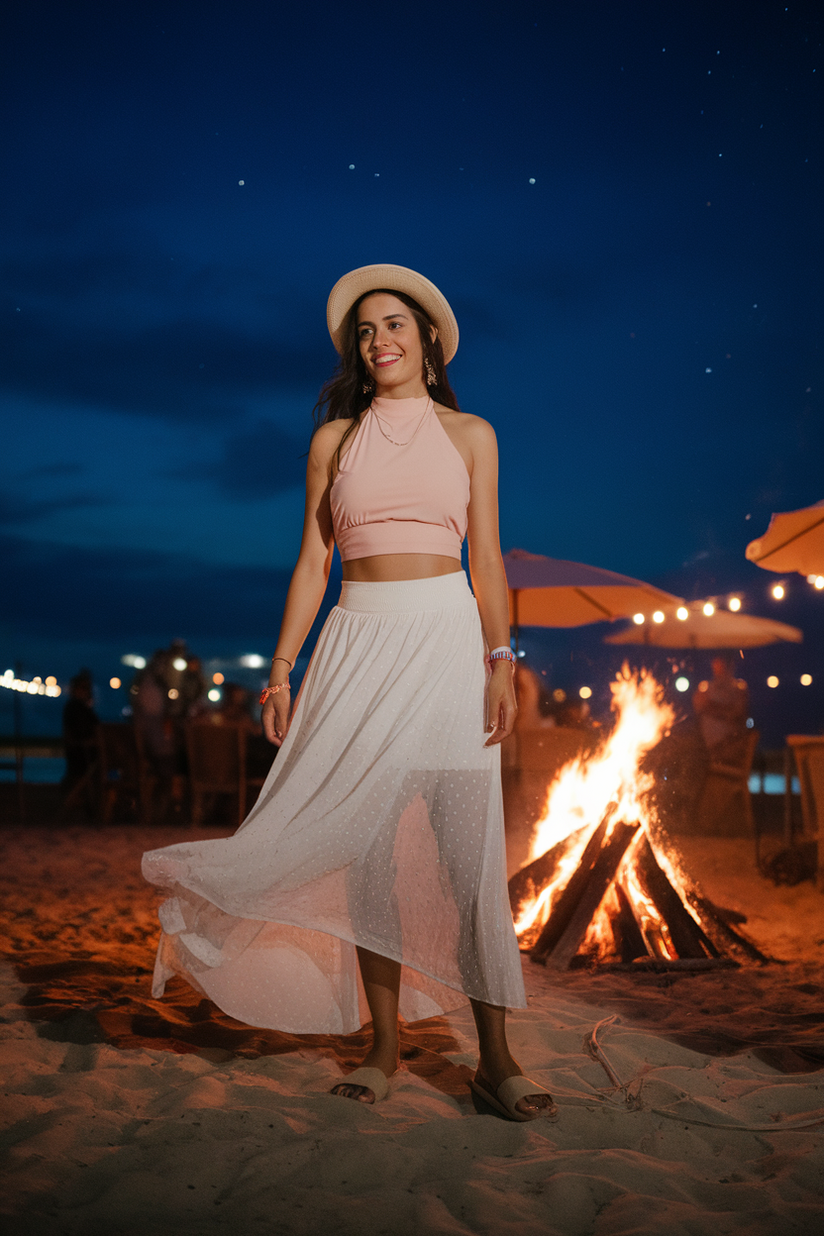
380 824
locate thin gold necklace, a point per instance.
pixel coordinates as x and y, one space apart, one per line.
429 404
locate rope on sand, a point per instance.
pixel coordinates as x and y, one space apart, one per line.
631 1091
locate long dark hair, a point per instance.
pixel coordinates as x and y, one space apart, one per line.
343 395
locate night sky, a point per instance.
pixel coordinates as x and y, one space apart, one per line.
621 201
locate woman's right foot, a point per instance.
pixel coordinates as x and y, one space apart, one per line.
385 1061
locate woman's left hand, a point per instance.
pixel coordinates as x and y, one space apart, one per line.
501 708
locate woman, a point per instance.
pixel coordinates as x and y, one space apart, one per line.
376 843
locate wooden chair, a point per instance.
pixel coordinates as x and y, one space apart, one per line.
217 765
727 786
118 770
809 760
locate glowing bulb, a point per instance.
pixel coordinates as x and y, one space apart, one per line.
114 683
658 616
682 684
806 680
179 663
173 693
585 693
819 582
51 682
214 695
682 612
217 679
709 608
772 681
638 619
735 604
778 591
252 660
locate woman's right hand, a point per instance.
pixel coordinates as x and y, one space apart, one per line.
275 716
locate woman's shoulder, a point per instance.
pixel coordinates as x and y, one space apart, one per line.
466 424
327 437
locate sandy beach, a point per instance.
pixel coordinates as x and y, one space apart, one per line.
688 1104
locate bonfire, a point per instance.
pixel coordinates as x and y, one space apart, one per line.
603 883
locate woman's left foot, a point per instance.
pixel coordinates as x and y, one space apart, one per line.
517 1098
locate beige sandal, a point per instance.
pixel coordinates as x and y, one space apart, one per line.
368 1079
508 1094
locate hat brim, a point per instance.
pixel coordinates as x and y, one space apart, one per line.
357 283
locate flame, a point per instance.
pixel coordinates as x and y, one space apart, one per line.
589 789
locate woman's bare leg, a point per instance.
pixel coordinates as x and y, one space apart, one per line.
381 983
496 1062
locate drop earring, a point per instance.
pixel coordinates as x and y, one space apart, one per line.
431 376
368 387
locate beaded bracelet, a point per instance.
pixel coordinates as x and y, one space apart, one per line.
501 654
267 691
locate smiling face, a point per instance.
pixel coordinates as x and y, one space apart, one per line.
389 342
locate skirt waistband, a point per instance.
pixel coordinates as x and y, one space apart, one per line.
399 596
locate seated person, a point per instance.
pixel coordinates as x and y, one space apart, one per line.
721 706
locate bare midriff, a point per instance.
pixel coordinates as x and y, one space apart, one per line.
382 568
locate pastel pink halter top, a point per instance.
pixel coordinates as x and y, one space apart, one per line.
402 487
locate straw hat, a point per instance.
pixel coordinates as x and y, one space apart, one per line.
351 287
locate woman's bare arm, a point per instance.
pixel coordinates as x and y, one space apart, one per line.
309 577
487 570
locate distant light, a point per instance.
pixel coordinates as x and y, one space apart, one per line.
173 693
585 693
241 182
682 684
682 612
532 180
778 591
218 678
708 608
772 681
638 619
658 616
252 660
559 695
180 663
51 682
351 167
819 582
750 723
115 684
214 695
735 604
806 680
131 658
522 653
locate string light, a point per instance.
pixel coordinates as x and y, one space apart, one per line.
708 608
638 619
658 616
682 613
778 591
734 604
34 687
772 681
806 680
585 693
682 684
115 683
214 694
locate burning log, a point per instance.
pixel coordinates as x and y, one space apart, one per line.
566 926
688 939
